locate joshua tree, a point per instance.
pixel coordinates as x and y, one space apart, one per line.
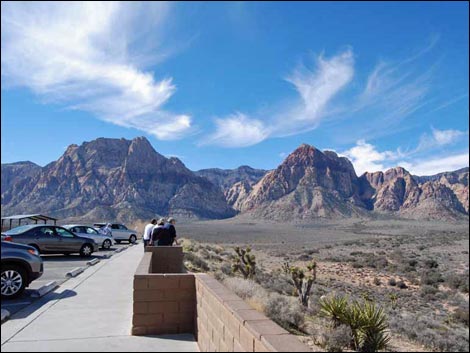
245 263
303 282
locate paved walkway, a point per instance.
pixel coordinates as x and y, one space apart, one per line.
92 312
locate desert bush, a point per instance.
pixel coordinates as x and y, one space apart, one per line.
336 339
285 311
392 282
461 314
226 269
275 282
431 263
431 278
195 263
429 292
401 285
457 281
245 289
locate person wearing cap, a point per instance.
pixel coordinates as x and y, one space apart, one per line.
171 228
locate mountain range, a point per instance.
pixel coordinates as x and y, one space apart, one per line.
127 180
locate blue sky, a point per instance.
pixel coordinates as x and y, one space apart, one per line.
230 84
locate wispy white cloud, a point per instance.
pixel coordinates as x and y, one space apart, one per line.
439 138
89 56
316 88
367 157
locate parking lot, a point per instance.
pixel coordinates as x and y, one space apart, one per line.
55 269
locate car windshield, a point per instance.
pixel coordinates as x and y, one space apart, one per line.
19 230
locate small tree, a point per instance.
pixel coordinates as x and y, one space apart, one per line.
303 282
245 263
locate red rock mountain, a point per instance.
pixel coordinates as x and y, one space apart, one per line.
114 179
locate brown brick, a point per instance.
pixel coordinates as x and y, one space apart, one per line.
163 307
147 320
149 295
187 282
140 283
162 330
260 347
163 282
232 325
265 327
176 318
182 294
141 308
139 331
228 339
249 315
187 307
247 340
235 305
284 343
237 347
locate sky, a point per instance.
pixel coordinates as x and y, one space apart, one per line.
240 83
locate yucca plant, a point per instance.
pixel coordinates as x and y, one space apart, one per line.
374 328
334 308
367 321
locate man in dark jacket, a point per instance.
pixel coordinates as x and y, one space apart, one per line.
171 227
162 235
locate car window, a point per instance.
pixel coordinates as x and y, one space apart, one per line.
44 231
122 227
64 233
115 226
76 229
90 230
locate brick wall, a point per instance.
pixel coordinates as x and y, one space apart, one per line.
166 259
171 303
163 303
225 323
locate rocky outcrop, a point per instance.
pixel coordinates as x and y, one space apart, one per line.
308 184
118 179
226 178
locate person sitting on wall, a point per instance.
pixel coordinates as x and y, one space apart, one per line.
171 227
148 232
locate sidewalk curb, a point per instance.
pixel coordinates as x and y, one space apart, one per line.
93 262
75 272
38 293
5 315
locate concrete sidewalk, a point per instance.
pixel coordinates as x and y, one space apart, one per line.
92 312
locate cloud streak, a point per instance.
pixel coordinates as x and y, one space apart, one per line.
315 87
87 56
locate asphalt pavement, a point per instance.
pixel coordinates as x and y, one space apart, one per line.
55 269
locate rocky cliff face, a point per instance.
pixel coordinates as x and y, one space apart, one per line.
309 183
128 180
117 179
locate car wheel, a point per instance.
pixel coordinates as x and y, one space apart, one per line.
107 244
13 281
86 250
132 239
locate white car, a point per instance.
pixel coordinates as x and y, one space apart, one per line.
103 241
120 232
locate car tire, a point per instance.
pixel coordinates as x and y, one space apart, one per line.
86 250
106 244
132 239
18 275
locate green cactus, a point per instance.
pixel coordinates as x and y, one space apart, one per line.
245 263
303 282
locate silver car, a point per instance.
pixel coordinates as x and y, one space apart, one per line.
21 264
104 241
120 232
49 239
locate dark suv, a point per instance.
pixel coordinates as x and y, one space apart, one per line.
21 264
52 240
